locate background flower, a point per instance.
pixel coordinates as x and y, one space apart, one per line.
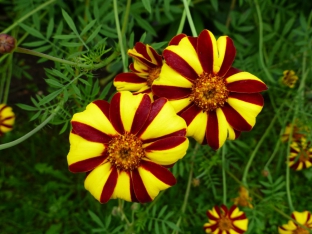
144 70
7 119
125 147
243 199
289 79
216 100
222 220
304 218
300 155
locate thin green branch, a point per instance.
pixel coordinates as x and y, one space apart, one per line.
8 79
189 18
223 174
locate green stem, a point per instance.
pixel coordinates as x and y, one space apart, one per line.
223 174
27 15
32 132
8 79
126 17
188 187
189 18
64 61
122 51
182 21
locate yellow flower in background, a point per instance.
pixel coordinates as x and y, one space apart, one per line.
304 218
289 79
126 148
7 119
216 100
243 199
224 221
298 131
144 70
300 155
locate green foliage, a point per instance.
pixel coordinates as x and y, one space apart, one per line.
40 195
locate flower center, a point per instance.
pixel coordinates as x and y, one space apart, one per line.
225 224
303 156
300 230
125 152
153 73
209 92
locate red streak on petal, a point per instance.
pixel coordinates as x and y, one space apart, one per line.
235 119
129 77
229 57
132 193
114 113
141 49
246 86
109 186
232 71
5 106
176 39
162 173
139 188
103 106
141 114
7 118
6 125
87 165
212 130
157 57
180 65
254 98
205 51
166 143
237 133
181 132
190 113
171 92
193 41
89 133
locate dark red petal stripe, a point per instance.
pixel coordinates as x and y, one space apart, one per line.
129 77
87 165
141 114
141 49
7 118
193 41
171 92
2 108
212 130
229 57
114 113
155 109
235 119
166 143
179 65
190 113
6 125
139 187
246 86
132 193
176 39
254 98
89 133
132 68
109 186
103 106
205 51
160 172
232 71
237 133
181 132
157 57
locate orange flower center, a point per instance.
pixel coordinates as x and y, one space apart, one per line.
125 152
209 92
153 73
303 155
225 224
301 230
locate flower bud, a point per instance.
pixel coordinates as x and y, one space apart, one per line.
7 43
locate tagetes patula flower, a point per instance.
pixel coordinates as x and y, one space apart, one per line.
243 199
297 132
304 218
216 100
145 69
289 78
300 155
125 146
224 221
7 119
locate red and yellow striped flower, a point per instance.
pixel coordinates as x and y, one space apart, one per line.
216 100
224 221
7 119
304 218
300 155
125 146
144 70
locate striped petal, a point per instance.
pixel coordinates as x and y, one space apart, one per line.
123 187
7 119
129 81
166 151
145 54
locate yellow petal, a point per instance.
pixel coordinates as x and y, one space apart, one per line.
197 128
180 104
301 217
242 224
122 189
242 76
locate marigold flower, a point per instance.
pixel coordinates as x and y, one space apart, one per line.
300 155
222 220
297 132
216 100
7 43
289 78
145 69
7 119
304 218
243 199
125 146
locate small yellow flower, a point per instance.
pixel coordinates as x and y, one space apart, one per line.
7 119
289 79
243 199
300 155
304 218
297 132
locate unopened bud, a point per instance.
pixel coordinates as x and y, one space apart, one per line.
265 173
7 43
